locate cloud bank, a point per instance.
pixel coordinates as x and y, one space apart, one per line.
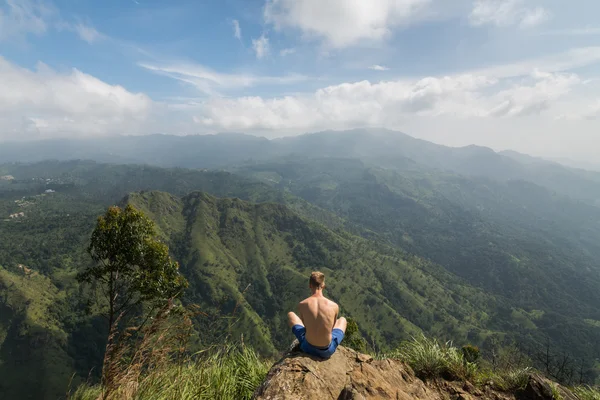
45 103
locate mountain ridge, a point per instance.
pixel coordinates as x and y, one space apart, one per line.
379 147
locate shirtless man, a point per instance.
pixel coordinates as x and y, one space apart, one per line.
317 329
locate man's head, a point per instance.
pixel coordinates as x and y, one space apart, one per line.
317 280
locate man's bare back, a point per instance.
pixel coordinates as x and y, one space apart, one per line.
316 327
318 315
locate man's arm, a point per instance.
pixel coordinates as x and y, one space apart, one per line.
337 313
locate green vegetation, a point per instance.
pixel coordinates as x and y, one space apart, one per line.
132 267
406 251
509 380
33 352
353 339
470 353
587 393
431 359
522 243
255 258
235 371
556 395
158 367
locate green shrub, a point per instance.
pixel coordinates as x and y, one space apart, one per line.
430 359
425 356
353 339
508 380
457 365
587 393
471 353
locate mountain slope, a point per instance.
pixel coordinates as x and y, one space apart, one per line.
50 238
231 249
33 341
512 239
390 149
538 271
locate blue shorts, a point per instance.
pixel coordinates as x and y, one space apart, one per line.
337 335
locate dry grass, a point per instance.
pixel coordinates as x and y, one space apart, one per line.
151 363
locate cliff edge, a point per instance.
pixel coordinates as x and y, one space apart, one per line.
349 375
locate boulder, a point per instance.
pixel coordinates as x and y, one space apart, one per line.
349 375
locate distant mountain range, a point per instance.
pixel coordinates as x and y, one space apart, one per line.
378 147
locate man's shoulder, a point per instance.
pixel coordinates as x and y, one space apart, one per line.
330 302
304 302
333 303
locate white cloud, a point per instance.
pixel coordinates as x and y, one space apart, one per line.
541 88
87 33
344 105
393 103
210 82
342 22
524 99
570 59
377 67
261 46
48 103
237 31
506 13
286 52
21 17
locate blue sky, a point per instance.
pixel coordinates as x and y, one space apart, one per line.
519 74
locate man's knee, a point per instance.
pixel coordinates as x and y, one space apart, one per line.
341 323
293 319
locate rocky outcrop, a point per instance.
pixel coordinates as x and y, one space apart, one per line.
349 375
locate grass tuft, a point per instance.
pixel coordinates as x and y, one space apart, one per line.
587 393
431 359
556 395
230 373
511 379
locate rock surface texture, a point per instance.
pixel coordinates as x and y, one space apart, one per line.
349 375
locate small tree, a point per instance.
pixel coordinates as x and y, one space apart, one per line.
353 338
131 266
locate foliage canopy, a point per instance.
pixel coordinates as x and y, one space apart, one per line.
131 265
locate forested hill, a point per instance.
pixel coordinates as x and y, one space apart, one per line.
514 239
234 251
46 334
407 249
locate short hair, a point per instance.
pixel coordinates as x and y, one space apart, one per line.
317 280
